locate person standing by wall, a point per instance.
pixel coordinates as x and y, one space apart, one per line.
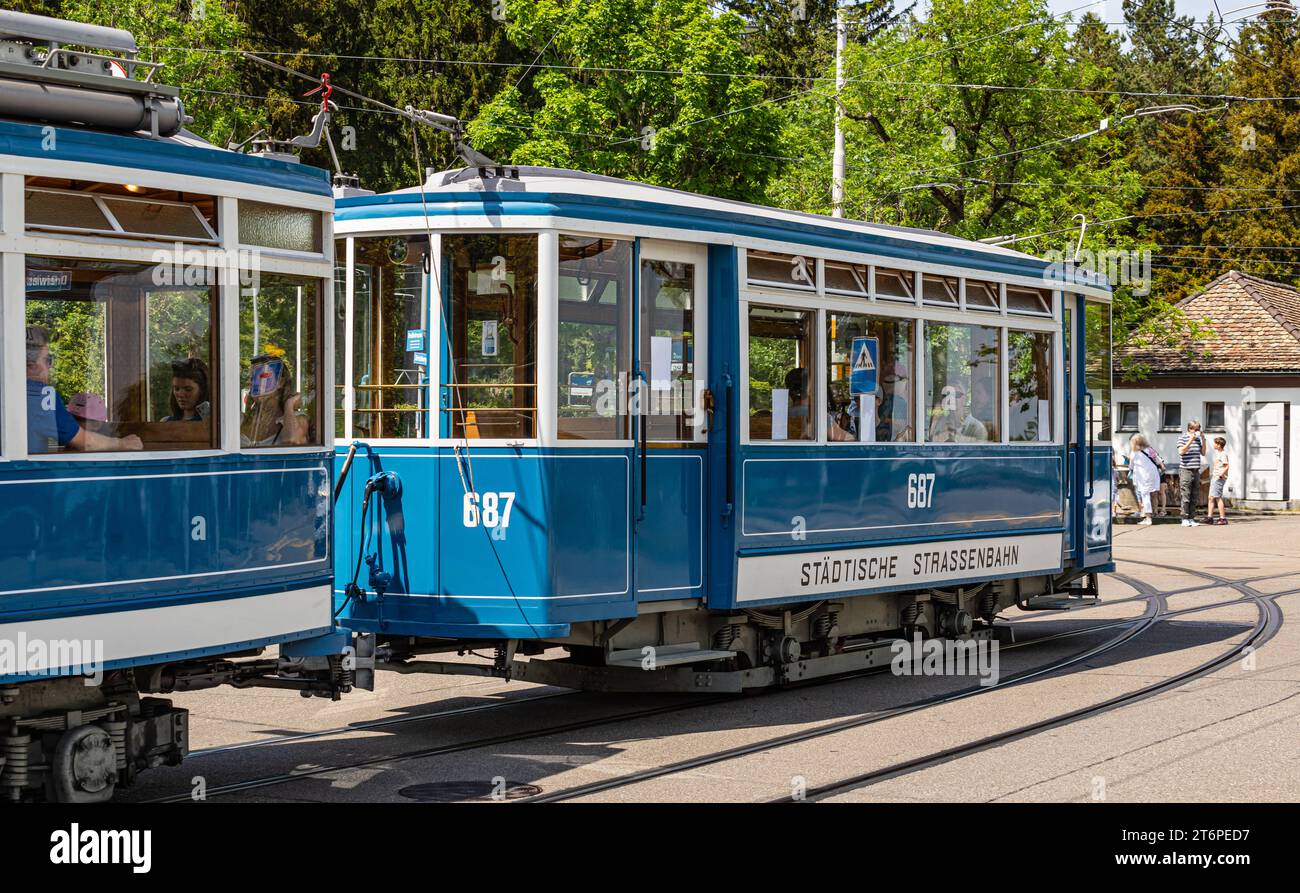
1191 446
1218 480
1144 472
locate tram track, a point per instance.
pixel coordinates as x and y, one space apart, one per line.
1132 628
1267 625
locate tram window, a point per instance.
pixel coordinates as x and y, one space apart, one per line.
493 329
668 348
768 268
962 379
882 412
1097 370
278 366
982 296
275 226
118 357
391 352
782 360
1037 301
1029 379
118 210
941 290
340 334
595 337
846 278
895 285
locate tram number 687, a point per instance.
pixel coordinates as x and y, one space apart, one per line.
920 491
488 509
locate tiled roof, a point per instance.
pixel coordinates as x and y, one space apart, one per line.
1255 323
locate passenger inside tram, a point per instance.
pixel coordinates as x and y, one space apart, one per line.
952 421
190 401
271 411
50 426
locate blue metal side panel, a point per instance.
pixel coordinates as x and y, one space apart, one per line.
68 144
92 538
815 496
104 536
670 538
563 557
743 222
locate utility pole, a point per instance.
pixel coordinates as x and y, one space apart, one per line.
837 165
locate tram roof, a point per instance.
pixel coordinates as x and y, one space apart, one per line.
185 154
559 193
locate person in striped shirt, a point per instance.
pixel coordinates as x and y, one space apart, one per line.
1191 446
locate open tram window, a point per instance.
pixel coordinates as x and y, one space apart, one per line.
844 278
278 362
939 290
110 209
782 361
962 380
1029 380
896 285
1032 301
668 348
773 270
492 385
391 348
869 398
595 337
119 357
982 296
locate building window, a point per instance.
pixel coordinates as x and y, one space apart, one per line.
782 360
595 333
872 404
1171 416
278 365
492 384
1029 379
1128 417
1214 420
962 380
119 357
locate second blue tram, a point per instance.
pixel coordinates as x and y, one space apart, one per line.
700 444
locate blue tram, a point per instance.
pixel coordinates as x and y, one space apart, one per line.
700 444
165 458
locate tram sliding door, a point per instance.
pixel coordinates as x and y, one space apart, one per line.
668 478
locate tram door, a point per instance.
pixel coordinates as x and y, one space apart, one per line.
668 486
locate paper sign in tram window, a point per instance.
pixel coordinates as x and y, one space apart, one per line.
867 418
780 413
661 363
489 338
1044 420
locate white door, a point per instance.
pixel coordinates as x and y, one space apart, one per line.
1265 450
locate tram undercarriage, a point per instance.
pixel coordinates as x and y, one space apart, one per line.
68 740
680 646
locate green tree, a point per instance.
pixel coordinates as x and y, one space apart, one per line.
660 91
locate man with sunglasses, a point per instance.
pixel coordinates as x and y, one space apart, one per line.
50 427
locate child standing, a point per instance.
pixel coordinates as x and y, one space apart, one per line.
1218 480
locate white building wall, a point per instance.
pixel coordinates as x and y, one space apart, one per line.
1193 401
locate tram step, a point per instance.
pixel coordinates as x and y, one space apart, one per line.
666 655
1058 603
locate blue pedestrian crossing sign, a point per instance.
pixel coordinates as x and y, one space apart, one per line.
863 361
